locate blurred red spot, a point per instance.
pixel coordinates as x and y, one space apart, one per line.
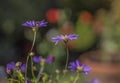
86 17
52 15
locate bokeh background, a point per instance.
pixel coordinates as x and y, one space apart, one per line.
97 22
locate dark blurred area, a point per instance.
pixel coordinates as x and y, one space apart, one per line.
95 21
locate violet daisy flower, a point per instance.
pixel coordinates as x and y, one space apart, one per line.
23 67
65 38
35 24
50 59
37 59
11 66
77 66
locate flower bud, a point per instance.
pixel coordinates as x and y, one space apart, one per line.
31 53
34 68
18 64
57 71
65 71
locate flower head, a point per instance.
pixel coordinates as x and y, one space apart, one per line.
77 66
95 81
40 59
37 59
23 67
35 24
28 81
11 66
17 66
65 38
50 59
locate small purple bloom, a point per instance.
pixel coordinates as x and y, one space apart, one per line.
27 81
86 69
11 66
23 67
64 38
50 59
95 81
35 24
37 59
77 66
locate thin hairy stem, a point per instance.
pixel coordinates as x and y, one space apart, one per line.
32 68
67 55
33 43
76 78
13 80
57 78
40 72
26 66
34 38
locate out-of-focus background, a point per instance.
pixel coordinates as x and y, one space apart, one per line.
97 22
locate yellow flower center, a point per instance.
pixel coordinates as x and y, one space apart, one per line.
43 60
34 29
65 37
31 54
79 68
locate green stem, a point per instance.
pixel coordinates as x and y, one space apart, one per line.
19 76
40 72
34 38
32 68
33 43
26 67
44 81
67 54
14 80
57 78
77 77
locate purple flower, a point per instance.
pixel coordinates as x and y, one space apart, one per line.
27 81
50 59
43 23
23 67
65 38
77 66
86 69
95 81
11 66
37 59
35 24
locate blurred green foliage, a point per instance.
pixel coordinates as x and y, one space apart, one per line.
86 36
